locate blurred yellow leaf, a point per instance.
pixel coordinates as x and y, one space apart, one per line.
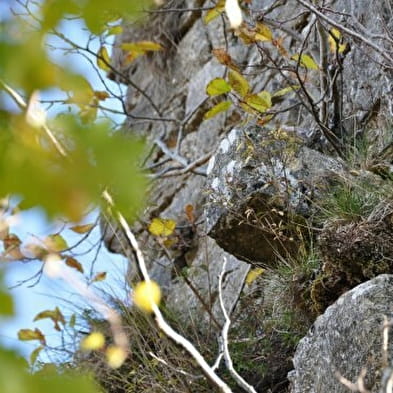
28 334
82 228
103 60
93 342
146 294
115 30
34 354
115 356
99 277
55 315
72 262
55 243
101 95
162 227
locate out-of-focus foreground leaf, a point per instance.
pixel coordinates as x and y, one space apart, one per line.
32 168
14 378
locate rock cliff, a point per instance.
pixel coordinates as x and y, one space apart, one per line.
293 188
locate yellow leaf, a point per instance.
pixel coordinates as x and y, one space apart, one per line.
263 33
141 46
334 39
103 60
214 12
93 342
72 262
238 83
28 334
170 242
162 227
306 61
101 95
146 295
115 356
256 102
217 86
285 90
82 228
264 120
189 210
148 46
99 277
55 243
220 107
137 49
253 274
55 315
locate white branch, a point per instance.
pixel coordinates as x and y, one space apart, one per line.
224 337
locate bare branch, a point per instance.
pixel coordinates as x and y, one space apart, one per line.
224 338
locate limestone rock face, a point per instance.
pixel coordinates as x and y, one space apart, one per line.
260 185
252 188
345 339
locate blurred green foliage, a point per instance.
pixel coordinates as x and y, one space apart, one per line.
33 168
15 378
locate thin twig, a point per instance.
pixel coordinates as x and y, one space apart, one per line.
224 338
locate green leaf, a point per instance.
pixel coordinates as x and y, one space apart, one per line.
15 378
221 107
306 61
115 30
6 304
68 187
72 321
218 86
34 354
238 83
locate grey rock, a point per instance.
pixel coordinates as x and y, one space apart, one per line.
175 80
345 339
206 267
257 180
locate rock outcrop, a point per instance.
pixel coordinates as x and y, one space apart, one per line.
263 186
255 183
344 340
